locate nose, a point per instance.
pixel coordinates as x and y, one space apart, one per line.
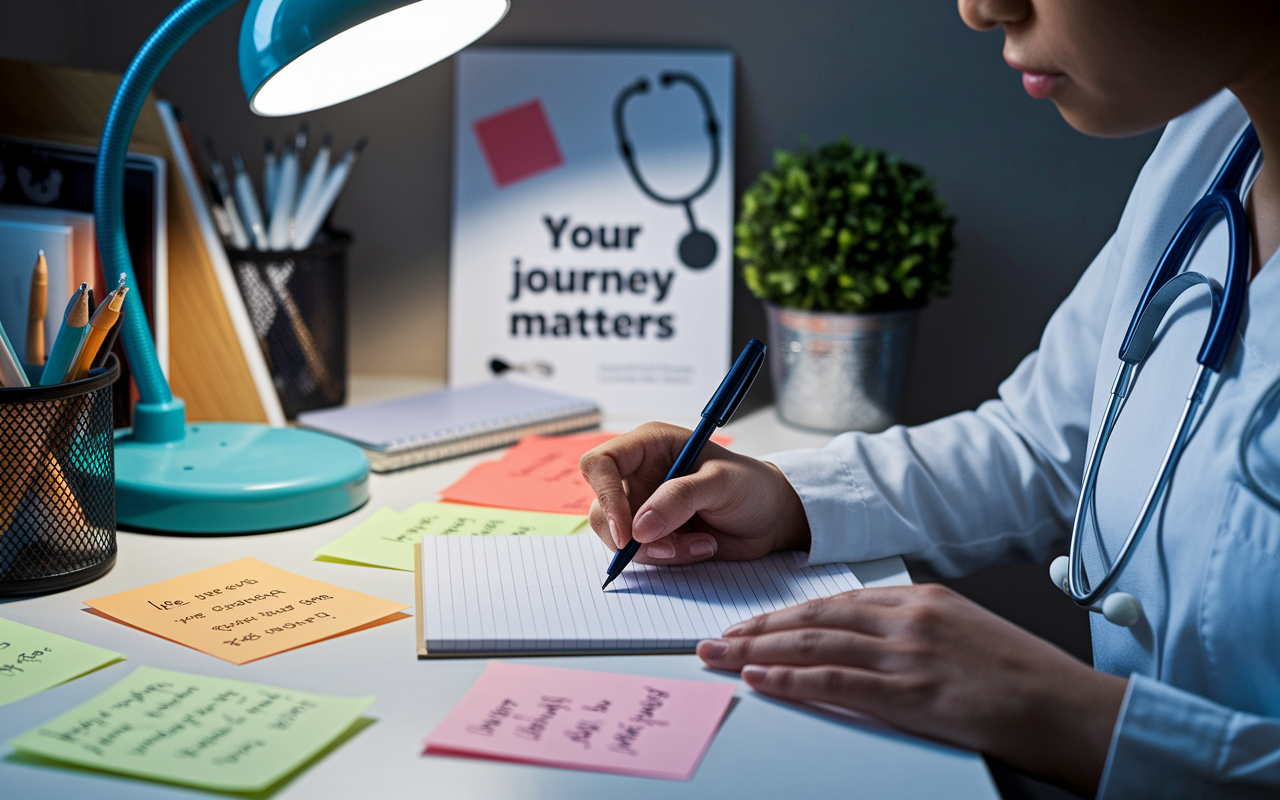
983 15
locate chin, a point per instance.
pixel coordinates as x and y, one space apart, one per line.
1108 123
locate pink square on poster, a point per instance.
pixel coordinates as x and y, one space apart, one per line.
518 143
577 719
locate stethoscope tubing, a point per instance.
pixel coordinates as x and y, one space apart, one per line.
1165 285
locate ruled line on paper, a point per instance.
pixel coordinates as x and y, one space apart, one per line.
525 594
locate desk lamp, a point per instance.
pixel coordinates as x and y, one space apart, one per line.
295 56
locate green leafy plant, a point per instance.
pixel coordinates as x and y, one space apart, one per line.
844 228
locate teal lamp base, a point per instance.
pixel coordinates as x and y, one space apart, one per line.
231 477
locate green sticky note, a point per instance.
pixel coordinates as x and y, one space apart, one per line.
212 733
32 660
386 539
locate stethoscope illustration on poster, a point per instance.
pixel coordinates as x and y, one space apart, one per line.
697 248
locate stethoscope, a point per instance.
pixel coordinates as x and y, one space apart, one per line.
1166 284
697 248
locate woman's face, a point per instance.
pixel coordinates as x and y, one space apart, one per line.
1118 67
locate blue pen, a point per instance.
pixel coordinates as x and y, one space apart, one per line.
719 410
75 325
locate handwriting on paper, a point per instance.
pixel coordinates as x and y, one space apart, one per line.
386 539
32 660
208 732
653 727
245 610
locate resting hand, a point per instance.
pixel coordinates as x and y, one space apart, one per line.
928 661
729 506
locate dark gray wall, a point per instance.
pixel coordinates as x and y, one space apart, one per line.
1034 199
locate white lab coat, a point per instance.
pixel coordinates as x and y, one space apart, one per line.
1201 716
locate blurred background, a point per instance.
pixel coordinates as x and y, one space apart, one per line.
1034 199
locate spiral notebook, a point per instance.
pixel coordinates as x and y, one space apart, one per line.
540 595
454 422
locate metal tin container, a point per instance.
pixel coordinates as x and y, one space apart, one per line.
839 372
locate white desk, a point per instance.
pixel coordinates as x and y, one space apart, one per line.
764 748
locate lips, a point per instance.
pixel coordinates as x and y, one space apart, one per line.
1041 84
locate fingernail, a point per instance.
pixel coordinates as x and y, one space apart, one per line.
613 531
713 648
702 548
754 673
734 630
647 525
660 549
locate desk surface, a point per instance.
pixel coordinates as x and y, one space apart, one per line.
765 748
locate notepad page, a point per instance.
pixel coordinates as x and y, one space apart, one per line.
529 594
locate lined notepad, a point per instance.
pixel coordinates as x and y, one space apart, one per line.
488 596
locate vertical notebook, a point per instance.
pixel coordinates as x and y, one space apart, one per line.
541 596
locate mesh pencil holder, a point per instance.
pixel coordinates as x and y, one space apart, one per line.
57 484
297 302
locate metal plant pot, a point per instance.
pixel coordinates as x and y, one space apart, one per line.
839 372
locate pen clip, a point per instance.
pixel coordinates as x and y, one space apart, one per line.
736 384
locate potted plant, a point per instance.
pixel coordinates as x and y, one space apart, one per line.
844 245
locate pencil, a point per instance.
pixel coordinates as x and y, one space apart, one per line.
100 325
75 324
37 307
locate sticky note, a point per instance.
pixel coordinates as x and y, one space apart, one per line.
212 733
32 660
386 539
538 474
627 724
245 610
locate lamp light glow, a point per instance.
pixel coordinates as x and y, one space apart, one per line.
325 69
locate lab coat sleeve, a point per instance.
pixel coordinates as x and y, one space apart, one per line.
988 486
1172 744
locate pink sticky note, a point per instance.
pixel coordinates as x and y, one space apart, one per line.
518 143
627 724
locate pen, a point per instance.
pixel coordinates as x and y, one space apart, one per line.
239 237
311 187
75 324
270 174
100 325
248 202
37 307
280 229
306 228
719 409
11 372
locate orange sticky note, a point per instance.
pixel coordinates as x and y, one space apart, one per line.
245 610
540 473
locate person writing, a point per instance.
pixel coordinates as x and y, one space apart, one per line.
1184 702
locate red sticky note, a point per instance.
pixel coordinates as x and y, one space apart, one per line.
538 474
518 143
626 724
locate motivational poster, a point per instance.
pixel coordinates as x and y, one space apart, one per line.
245 610
627 724
592 243
32 660
212 733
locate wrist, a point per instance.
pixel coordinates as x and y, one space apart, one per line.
792 531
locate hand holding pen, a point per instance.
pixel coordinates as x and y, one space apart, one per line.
730 506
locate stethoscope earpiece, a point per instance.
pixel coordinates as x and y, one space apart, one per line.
1119 608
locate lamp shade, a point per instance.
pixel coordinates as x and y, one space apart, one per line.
300 55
